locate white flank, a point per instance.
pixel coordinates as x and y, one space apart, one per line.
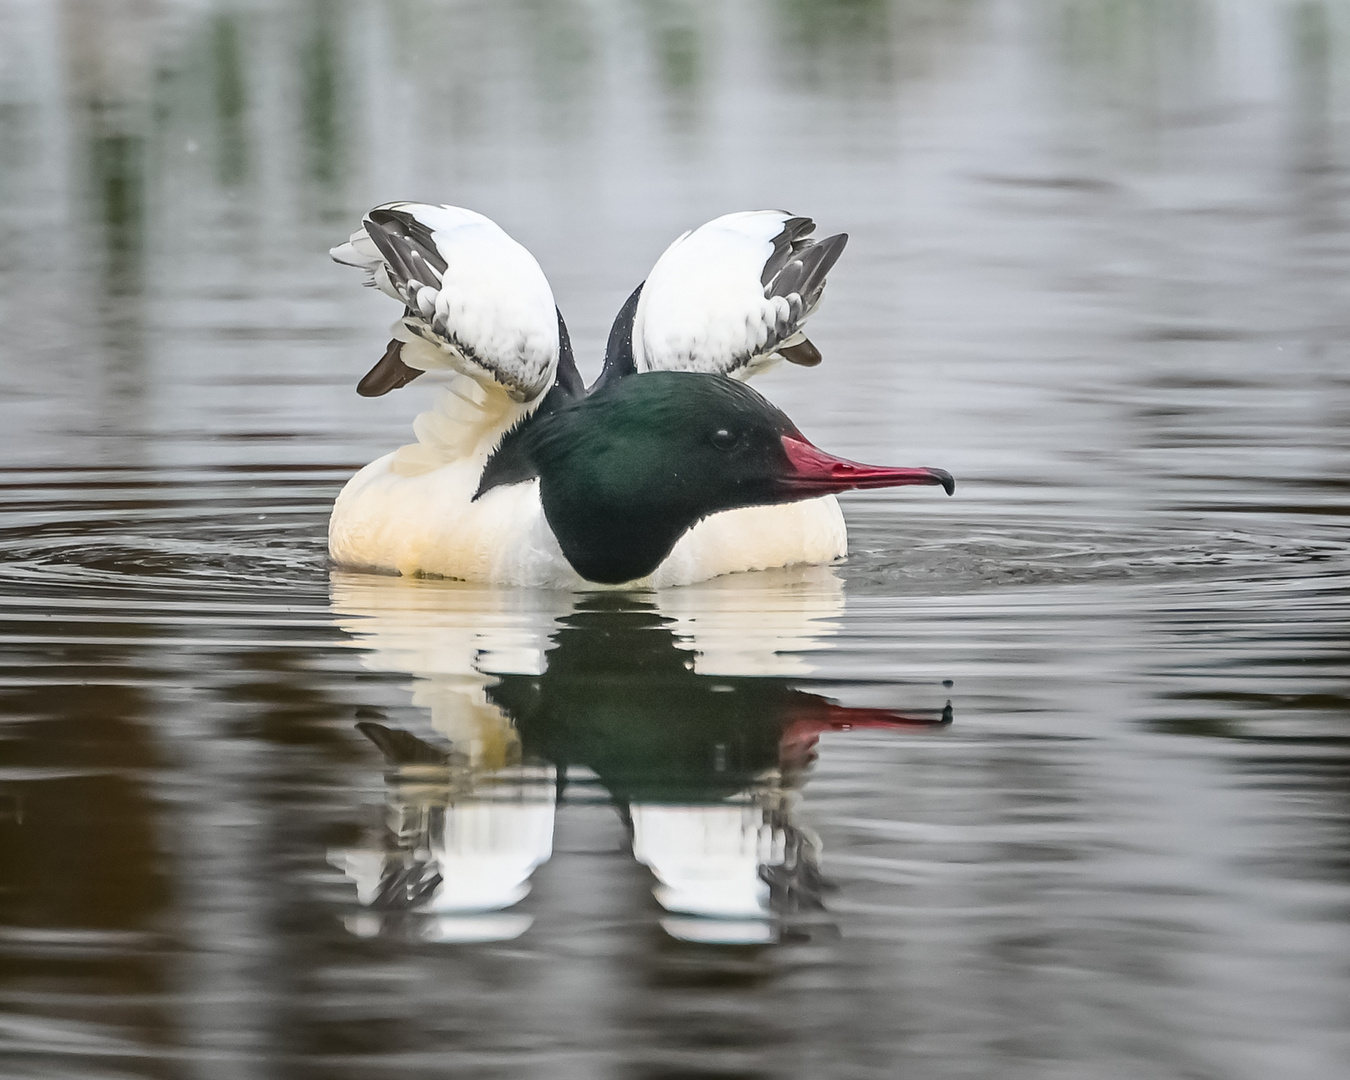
413 511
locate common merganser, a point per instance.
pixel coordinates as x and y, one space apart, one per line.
667 471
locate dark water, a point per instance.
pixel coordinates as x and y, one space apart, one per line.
1099 268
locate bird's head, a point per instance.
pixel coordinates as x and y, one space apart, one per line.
625 472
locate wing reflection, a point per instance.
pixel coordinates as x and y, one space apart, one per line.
465 826
678 710
460 842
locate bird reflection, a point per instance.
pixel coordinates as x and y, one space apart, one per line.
705 770
461 838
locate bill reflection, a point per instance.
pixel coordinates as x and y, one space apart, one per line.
629 701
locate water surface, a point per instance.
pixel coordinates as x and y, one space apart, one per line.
1049 779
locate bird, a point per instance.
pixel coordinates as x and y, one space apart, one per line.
668 470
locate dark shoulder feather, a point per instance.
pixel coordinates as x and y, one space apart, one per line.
407 245
567 383
513 462
619 360
804 268
791 239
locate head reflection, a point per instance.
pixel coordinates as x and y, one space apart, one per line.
636 704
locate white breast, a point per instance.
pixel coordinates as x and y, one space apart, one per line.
757 538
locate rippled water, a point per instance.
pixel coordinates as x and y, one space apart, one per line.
1049 779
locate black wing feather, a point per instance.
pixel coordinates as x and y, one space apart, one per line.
785 245
414 263
619 359
389 373
410 252
803 271
568 383
513 462
414 234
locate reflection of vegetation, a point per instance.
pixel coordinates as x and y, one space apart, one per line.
231 100
87 854
81 847
851 42
320 62
1312 48
675 38
560 35
1132 51
117 175
815 24
676 41
847 39
1312 34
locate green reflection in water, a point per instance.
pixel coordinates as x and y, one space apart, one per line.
676 36
704 771
320 64
562 59
117 167
813 23
1135 53
231 101
117 184
843 40
1312 48
676 40
854 44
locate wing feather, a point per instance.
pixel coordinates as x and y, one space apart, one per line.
731 296
476 301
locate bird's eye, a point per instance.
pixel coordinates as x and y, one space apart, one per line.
724 439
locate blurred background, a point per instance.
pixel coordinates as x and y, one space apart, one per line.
1098 267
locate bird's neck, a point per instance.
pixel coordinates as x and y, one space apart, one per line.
608 546
617 532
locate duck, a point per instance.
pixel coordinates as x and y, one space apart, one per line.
667 470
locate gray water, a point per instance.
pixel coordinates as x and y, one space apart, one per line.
1099 268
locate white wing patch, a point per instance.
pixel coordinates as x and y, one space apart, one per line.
477 302
731 296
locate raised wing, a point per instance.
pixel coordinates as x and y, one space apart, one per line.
475 301
731 296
